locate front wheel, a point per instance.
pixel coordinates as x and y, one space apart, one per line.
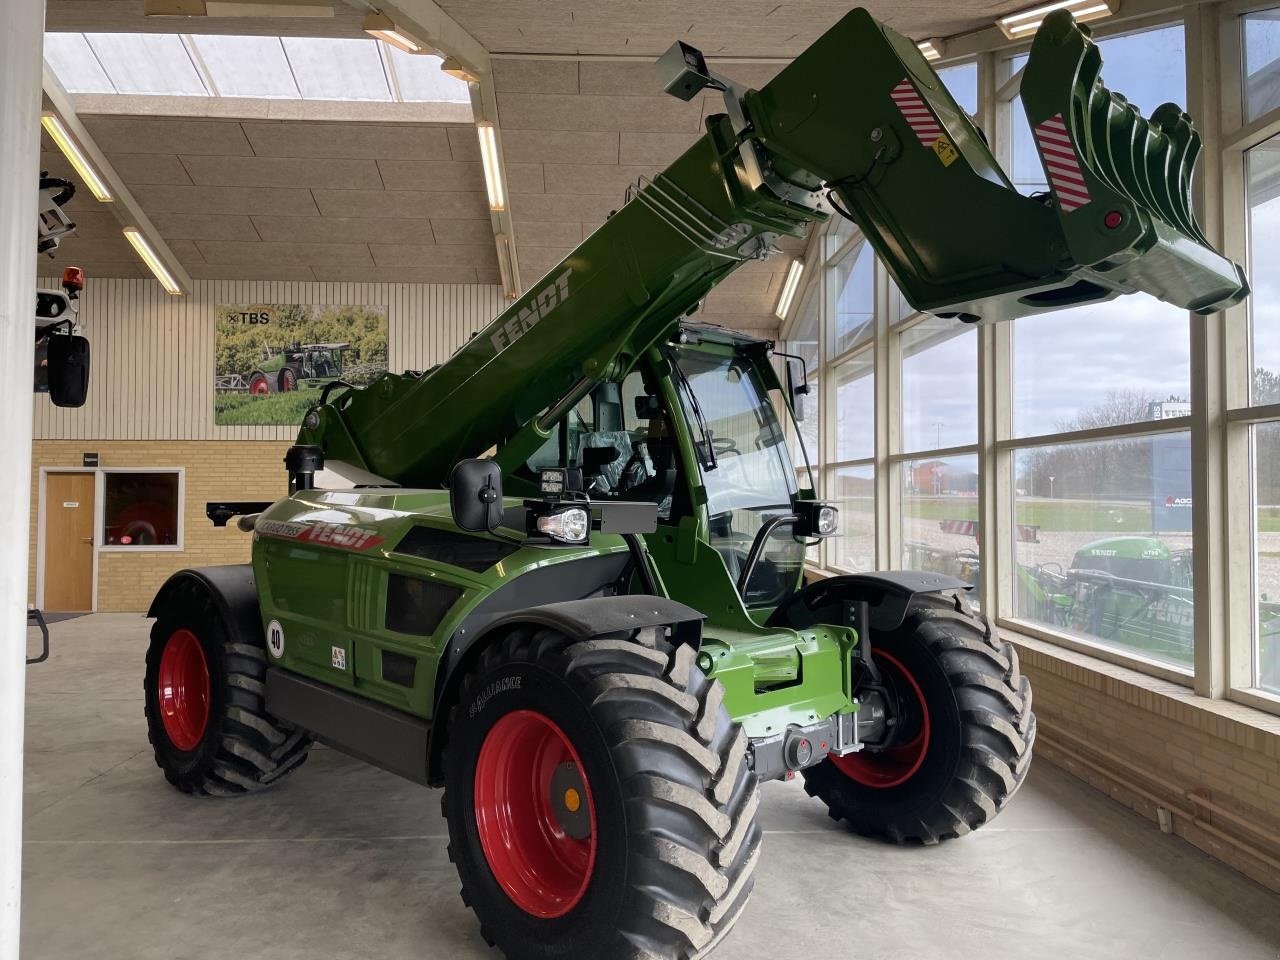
963 735
598 799
204 703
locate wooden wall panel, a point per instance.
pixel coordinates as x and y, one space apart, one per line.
152 354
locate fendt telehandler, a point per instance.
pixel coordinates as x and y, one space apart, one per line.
598 639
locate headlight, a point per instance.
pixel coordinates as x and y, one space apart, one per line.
828 520
569 526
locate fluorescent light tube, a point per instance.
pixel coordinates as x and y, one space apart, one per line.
1017 26
143 249
932 49
454 68
492 171
71 150
789 288
381 27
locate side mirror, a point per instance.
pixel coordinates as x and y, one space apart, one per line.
648 407
67 370
596 458
797 386
475 495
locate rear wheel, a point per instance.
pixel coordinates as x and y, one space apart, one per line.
963 739
599 800
203 696
289 377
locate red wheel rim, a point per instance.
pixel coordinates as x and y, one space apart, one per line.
889 768
182 690
543 869
259 387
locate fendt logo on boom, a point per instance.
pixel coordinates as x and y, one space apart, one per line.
550 297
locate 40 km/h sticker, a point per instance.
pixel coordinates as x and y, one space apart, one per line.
275 639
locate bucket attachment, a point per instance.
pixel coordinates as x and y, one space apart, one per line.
864 112
1121 183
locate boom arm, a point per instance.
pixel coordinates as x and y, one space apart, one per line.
860 119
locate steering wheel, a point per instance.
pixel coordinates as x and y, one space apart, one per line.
633 471
723 445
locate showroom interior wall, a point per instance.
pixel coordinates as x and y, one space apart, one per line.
1034 458
151 405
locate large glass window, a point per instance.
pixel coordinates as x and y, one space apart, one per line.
1102 542
961 82
939 385
141 510
1261 63
1266 556
940 516
1089 465
853 491
1263 165
1100 366
855 409
1148 67
855 298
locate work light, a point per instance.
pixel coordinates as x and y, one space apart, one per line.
569 526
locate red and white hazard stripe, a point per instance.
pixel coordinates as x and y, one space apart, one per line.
916 113
967 528
1062 164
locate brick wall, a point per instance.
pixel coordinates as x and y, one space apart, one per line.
214 470
1149 743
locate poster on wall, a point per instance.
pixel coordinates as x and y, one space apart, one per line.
271 360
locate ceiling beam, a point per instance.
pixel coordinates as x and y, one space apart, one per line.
426 19
122 204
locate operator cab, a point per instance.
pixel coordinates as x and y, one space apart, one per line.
726 443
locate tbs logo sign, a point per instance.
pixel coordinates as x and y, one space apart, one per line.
251 318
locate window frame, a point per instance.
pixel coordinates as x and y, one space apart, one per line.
1223 522
100 512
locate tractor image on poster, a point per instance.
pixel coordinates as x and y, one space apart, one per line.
561 575
302 365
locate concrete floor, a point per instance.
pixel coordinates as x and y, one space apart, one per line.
344 861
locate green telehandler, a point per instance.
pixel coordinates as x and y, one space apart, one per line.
598 640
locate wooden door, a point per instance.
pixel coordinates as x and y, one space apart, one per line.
68 542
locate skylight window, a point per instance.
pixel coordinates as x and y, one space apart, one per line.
337 69
274 68
147 63
247 66
71 58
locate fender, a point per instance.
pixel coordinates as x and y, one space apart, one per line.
231 587
577 619
887 593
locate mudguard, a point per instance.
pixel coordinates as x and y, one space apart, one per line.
887 593
232 588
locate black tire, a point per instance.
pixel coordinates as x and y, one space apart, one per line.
981 731
242 749
289 377
674 802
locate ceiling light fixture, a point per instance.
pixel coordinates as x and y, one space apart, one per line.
789 288
236 8
381 27
454 68
75 156
1018 26
492 170
932 49
161 272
